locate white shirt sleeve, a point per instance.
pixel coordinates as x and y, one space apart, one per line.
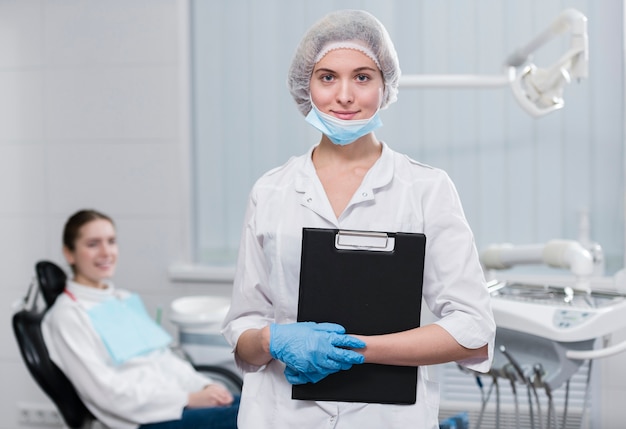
250 310
456 291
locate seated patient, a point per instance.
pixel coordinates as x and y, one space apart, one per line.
117 358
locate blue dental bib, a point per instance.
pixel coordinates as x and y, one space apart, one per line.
126 329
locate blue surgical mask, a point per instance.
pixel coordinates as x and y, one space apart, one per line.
340 131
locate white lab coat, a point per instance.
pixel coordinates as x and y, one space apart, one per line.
144 389
397 194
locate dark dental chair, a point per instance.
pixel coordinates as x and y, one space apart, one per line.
27 329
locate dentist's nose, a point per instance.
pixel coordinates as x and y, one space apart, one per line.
345 94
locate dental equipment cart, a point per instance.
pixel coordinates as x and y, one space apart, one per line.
550 328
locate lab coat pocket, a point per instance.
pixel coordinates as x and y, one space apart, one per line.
253 405
424 414
428 396
431 395
264 392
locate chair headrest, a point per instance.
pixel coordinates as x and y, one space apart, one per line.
51 280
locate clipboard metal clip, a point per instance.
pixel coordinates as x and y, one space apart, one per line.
364 240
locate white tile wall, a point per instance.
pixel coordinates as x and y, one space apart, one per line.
22 178
139 179
153 243
138 32
125 102
21 33
21 104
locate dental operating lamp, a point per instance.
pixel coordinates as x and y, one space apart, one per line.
539 91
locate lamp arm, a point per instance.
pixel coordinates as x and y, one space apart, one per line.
538 91
569 19
557 253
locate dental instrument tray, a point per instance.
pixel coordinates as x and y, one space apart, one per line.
553 326
558 313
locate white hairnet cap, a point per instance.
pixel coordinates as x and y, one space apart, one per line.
343 26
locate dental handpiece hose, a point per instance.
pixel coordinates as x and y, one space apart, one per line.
539 372
520 373
513 362
511 374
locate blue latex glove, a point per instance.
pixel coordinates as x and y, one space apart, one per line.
312 350
295 377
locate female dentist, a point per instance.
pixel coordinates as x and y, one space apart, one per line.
344 71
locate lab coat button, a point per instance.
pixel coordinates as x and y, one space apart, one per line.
308 200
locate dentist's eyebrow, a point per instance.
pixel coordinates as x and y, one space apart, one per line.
366 68
325 70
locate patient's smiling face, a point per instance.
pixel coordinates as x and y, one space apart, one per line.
95 253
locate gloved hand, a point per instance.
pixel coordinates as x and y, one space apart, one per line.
312 350
295 377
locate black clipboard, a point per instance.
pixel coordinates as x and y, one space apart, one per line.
370 283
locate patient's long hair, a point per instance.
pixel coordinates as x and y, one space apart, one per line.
76 222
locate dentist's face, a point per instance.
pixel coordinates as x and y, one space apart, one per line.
95 253
347 84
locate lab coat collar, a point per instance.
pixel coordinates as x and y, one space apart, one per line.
311 191
378 176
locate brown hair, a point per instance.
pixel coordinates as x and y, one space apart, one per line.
76 222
